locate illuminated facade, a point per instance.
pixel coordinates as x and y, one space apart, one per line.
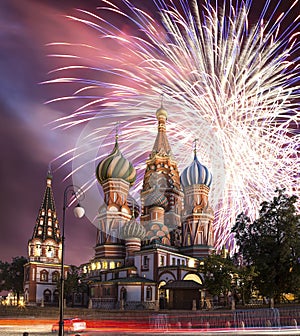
151 262
42 271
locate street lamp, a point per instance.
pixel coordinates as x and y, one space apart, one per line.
78 213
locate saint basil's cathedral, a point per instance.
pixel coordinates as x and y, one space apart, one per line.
147 256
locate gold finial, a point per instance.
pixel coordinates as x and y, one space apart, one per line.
195 145
117 131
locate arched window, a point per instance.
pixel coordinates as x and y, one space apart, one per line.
47 295
50 252
55 276
189 241
149 293
44 275
194 277
38 250
55 296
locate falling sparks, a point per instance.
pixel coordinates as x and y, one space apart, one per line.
232 84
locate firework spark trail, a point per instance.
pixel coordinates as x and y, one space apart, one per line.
229 83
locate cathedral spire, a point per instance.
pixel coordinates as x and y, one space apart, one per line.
161 145
47 223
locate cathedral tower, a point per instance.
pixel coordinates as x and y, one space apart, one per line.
197 216
44 253
161 196
116 175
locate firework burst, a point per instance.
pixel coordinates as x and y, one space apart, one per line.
230 83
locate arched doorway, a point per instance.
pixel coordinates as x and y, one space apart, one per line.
47 296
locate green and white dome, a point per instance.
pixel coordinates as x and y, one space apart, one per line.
116 166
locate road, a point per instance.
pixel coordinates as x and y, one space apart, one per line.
43 328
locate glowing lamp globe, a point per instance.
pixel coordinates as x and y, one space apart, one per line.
78 211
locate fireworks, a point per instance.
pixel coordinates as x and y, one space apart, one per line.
229 82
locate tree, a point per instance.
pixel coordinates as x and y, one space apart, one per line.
271 244
218 274
73 284
12 275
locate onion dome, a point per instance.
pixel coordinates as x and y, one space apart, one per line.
133 229
116 166
195 173
156 198
161 112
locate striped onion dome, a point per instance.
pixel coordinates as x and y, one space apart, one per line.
156 198
116 166
133 229
195 173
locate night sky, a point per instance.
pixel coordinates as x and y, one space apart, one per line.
28 142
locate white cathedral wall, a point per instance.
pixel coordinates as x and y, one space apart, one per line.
40 288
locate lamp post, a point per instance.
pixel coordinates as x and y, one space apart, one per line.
78 213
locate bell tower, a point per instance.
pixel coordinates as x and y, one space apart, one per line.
44 253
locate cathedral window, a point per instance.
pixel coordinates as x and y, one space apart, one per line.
162 261
112 265
56 296
50 252
41 221
40 230
47 295
189 240
44 275
173 261
149 294
43 212
49 231
38 250
106 291
104 265
201 237
49 221
49 213
55 276
146 261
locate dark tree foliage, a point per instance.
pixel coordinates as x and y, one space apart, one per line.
74 283
271 244
12 275
218 274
